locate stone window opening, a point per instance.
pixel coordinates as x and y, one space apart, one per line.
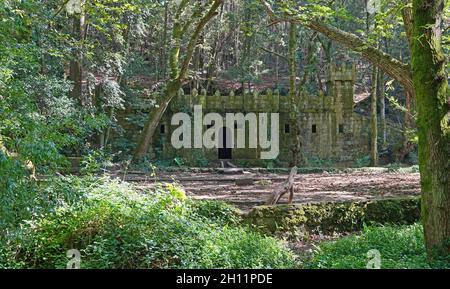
314 128
287 128
341 128
162 129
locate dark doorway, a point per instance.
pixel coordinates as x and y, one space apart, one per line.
225 149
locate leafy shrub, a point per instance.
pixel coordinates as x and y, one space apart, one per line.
114 226
399 247
393 167
317 162
94 161
363 161
23 200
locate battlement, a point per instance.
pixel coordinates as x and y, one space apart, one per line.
344 72
339 96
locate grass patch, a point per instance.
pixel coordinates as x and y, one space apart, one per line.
400 247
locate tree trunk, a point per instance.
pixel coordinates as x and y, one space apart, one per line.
288 186
177 73
164 46
373 119
433 106
76 69
373 102
295 143
154 119
382 98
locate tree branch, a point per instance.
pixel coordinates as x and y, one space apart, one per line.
407 20
60 8
393 67
194 39
274 53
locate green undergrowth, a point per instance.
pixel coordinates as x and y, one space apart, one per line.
398 247
115 226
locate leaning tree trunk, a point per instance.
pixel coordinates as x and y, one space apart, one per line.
433 106
393 67
177 73
154 118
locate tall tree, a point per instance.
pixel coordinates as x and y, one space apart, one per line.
76 66
433 104
371 11
295 145
373 119
382 101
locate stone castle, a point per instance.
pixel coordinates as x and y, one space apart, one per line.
329 127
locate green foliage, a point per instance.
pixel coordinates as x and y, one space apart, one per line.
400 247
23 200
393 167
17 199
94 161
114 226
176 191
363 161
38 119
317 162
178 161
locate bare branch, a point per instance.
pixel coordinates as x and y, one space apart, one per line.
274 53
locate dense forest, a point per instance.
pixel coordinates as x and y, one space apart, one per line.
90 91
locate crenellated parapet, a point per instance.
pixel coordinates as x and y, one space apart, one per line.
339 97
248 101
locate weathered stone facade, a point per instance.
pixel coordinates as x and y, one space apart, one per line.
329 127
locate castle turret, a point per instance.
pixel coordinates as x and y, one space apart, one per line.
341 86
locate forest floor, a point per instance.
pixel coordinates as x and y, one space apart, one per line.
251 188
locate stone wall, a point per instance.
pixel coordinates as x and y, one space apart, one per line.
332 217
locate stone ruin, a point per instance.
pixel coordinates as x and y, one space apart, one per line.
330 129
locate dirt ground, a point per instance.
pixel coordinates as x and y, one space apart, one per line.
251 188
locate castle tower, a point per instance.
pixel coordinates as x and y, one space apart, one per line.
341 86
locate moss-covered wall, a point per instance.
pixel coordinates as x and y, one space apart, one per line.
333 216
